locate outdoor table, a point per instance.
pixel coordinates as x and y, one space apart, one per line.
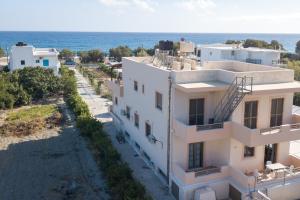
275 167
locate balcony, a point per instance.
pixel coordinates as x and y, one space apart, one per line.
208 132
202 175
266 178
117 87
256 137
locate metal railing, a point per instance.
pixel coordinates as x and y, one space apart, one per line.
233 96
210 126
207 171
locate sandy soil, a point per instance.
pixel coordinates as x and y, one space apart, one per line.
53 164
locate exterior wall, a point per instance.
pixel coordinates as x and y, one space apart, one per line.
264 109
153 79
249 164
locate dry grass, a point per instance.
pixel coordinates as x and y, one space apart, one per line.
29 120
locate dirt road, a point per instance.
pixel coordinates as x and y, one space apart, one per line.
54 164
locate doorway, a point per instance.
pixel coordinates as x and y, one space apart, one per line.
271 153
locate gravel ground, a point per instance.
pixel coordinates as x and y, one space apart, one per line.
53 164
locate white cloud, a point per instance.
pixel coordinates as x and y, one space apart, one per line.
146 5
266 17
199 6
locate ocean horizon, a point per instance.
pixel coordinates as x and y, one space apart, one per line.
80 41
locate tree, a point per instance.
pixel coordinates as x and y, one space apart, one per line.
140 52
263 44
275 45
233 42
298 48
2 53
96 55
91 56
66 54
119 52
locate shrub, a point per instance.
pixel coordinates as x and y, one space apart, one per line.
39 82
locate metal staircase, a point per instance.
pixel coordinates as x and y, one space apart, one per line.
232 98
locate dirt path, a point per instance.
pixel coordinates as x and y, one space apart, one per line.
54 164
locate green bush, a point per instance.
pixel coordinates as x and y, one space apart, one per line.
6 101
39 82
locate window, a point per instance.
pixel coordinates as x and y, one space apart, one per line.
158 100
249 151
276 112
136 120
116 100
199 53
195 155
136 86
143 89
147 129
22 62
46 63
37 61
128 112
250 114
196 113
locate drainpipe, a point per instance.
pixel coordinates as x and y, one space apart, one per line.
169 130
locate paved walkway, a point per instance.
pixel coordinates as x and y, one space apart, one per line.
99 109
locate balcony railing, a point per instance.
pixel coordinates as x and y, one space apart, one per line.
209 126
200 175
207 171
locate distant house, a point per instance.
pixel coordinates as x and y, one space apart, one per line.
23 55
223 52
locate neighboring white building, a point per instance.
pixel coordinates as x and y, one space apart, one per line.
23 55
213 129
219 52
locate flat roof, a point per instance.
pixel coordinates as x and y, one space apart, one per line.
235 47
212 86
45 51
208 86
277 87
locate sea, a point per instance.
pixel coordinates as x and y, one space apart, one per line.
81 41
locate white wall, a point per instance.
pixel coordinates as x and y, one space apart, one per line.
153 79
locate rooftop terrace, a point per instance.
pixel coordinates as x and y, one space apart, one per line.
219 74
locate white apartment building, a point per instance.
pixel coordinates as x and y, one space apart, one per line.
23 55
221 52
218 130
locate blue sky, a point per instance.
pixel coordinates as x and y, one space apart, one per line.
224 16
